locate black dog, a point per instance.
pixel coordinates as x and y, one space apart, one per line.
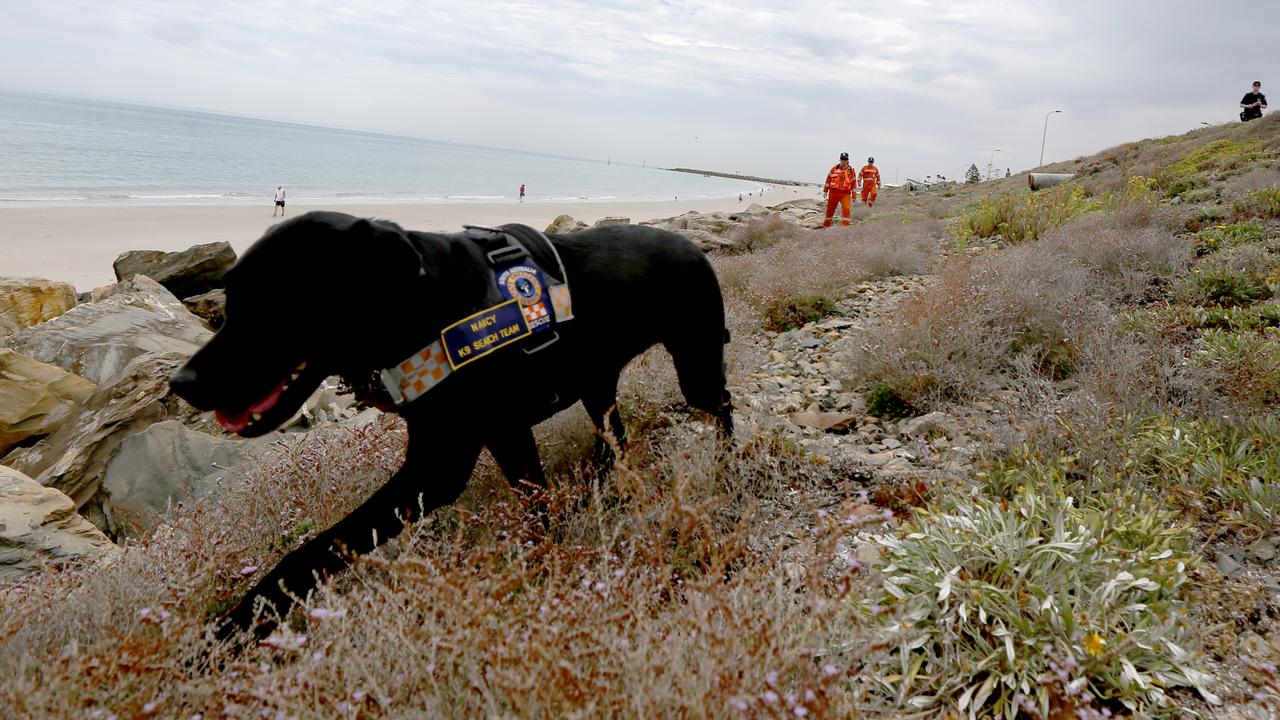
330 294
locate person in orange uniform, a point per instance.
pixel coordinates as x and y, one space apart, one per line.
838 188
870 176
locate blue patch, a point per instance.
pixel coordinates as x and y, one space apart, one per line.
473 337
528 286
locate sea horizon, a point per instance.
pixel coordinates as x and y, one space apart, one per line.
72 151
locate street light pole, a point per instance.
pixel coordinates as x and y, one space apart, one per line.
1045 133
991 162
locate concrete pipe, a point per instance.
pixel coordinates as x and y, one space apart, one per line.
1040 181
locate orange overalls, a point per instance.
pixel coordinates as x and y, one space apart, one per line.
839 189
870 184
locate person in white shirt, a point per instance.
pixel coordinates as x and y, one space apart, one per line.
279 201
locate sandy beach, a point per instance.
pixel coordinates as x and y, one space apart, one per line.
78 244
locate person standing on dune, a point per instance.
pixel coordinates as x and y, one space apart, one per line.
839 190
870 176
279 201
521 192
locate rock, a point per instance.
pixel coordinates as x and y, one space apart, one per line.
680 222
210 307
565 224
30 301
891 443
97 340
711 225
39 526
35 397
1229 566
167 462
824 421
705 240
605 221
1261 551
74 458
935 423
882 459
193 271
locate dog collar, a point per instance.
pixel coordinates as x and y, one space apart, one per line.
530 302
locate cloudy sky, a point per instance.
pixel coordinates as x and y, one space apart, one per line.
774 88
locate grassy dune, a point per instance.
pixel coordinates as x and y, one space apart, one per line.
1111 560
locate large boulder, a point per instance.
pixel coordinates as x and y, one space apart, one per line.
210 307
30 301
193 271
97 340
169 462
565 224
75 457
39 527
35 397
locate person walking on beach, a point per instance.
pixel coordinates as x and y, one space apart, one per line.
279 201
839 190
870 176
1253 103
521 192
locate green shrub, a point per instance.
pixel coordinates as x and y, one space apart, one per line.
1250 363
1183 185
1237 276
1217 156
789 313
1200 195
1023 217
889 400
988 595
1259 203
1220 236
1210 213
1235 319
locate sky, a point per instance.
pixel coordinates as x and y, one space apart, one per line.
777 89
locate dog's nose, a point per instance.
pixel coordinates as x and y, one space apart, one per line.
182 381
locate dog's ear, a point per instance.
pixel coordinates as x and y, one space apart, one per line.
386 253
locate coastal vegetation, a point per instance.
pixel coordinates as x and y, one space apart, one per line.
1113 553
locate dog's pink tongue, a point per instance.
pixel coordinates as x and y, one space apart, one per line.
269 401
232 422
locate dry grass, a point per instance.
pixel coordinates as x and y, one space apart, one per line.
954 340
826 263
663 593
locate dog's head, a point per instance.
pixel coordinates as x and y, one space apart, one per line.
317 295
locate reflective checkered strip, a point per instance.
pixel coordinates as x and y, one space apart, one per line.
534 311
560 302
419 373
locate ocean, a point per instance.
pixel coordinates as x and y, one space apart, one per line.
72 151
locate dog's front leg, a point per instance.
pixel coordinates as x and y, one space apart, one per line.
435 472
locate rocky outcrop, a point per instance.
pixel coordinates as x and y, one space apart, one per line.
97 340
39 527
606 221
210 307
193 271
35 398
74 458
30 301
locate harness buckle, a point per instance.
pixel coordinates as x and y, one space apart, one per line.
506 254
